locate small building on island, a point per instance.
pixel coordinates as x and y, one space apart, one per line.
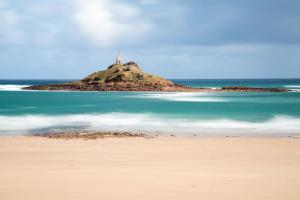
119 59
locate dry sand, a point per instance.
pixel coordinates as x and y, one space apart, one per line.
160 168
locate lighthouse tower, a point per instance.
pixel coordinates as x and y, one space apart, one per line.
119 59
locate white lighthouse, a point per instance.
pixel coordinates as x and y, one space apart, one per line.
119 59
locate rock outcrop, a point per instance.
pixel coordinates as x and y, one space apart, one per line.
253 89
117 77
130 77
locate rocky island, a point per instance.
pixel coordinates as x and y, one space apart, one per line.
130 77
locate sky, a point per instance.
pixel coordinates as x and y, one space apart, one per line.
69 39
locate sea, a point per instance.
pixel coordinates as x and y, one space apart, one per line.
185 114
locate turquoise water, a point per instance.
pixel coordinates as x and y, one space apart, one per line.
177 113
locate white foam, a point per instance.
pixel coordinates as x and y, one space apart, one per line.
148 123
182 96
214 88
12 87
294 90
292 86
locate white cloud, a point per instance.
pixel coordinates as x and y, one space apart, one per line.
2 3
47 37
10 31
149 2
109 22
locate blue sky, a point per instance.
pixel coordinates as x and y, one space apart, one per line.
172 38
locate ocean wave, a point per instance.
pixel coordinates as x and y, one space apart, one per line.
12 87
292 86
294 90
182 96
214 88
147 123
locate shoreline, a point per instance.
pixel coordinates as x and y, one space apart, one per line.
127 133
167 89
94 135
210 90
99 135
167 168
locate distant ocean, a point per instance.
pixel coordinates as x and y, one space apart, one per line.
23 112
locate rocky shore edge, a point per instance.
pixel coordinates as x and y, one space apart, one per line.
91 135
123 87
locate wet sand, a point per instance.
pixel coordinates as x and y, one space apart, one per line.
36 168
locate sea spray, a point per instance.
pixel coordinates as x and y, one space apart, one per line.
147 123
12 87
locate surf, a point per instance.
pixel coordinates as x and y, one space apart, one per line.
147 123
12 87
182 96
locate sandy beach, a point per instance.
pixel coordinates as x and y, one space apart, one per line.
161 168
